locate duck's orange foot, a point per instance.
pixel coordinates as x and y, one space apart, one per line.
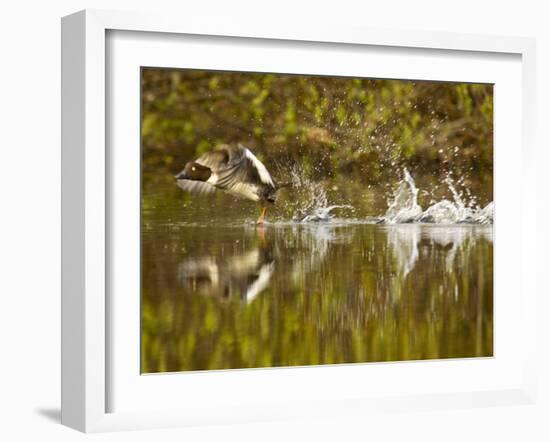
261 219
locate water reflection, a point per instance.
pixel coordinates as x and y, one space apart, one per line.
243 276
407 239
297 294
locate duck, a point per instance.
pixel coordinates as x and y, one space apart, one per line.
234 170
244 276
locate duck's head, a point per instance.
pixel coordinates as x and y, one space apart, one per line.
195 172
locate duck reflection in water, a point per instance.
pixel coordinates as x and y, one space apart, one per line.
244 275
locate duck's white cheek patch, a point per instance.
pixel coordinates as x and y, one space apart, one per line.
264 175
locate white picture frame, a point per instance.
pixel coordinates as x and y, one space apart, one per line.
86 204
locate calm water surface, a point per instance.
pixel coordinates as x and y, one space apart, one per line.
219 292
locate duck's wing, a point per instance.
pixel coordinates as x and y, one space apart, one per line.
229 158
237 169
196 187
215 160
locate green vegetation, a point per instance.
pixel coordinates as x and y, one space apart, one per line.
331 126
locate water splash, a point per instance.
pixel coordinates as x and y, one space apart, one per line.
320 214
404 208
310 202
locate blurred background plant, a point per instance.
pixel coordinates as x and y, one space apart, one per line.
335 128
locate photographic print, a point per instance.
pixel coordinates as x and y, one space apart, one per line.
297 220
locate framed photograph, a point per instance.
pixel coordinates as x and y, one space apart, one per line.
264 223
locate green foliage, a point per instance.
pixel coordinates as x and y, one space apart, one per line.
367 127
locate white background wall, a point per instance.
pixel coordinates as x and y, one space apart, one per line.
30 219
